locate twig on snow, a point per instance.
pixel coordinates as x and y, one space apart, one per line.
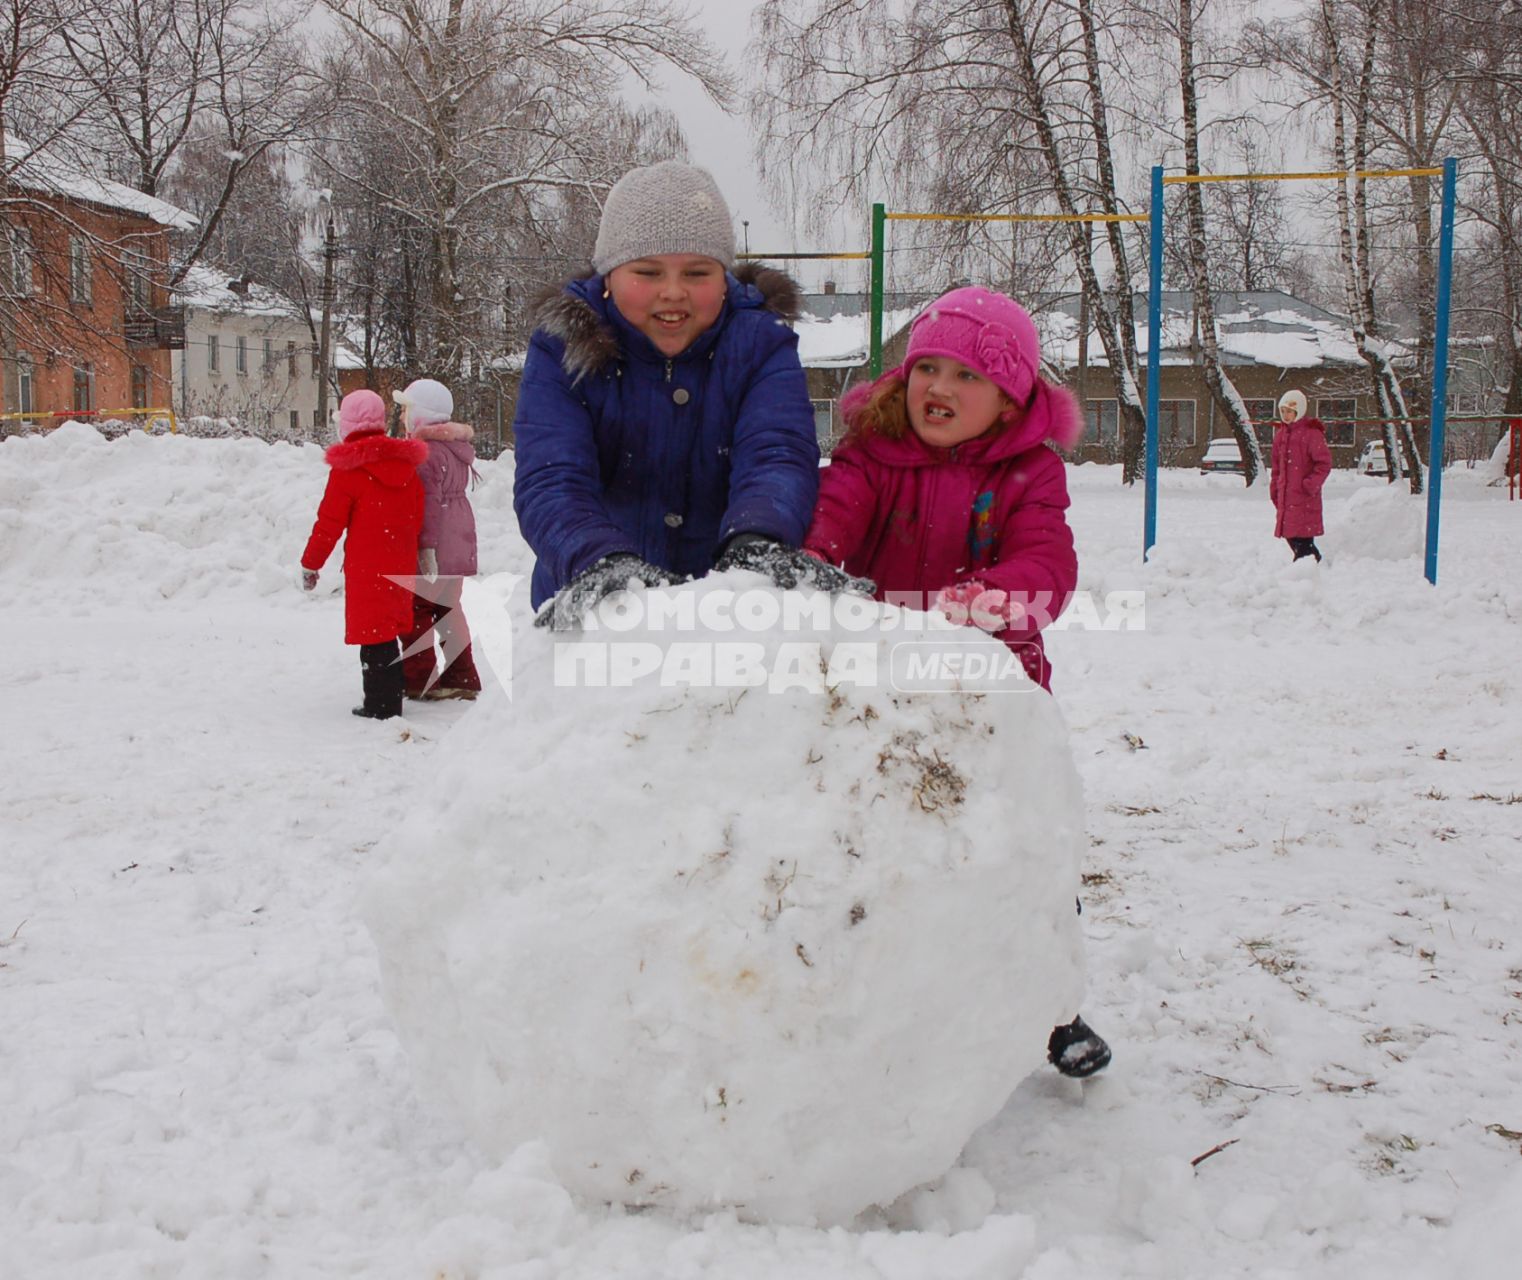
1215 1150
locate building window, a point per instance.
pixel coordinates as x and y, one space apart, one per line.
23 382
240 353
1101 421
316 361
81 272
317 417
1337 416
269 354
137 268
18 278
84 389
1263 411
295 421
139 387
1265 433
1175 422
290 359
824 419
213 353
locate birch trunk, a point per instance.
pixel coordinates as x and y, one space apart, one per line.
1132 414
1354 246
1221 387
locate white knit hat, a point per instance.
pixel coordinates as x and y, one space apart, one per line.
1296 400
425 401
671 207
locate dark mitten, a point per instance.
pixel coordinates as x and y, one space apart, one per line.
598 580
790 567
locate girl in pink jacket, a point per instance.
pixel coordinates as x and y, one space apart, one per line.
446 547
1301 464
945 494
944 489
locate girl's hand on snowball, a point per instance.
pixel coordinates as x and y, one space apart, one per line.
974 604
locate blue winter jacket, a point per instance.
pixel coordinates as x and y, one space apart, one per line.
620 449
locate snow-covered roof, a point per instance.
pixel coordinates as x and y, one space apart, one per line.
1267 327
210 288
844 342
32 170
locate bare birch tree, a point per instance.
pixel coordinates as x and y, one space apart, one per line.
469 127
1490 103
1222 390
150 76
989 106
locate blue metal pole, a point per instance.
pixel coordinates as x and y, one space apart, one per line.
1154 359
1440 367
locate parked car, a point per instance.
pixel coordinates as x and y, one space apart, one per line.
1222 456
1372 460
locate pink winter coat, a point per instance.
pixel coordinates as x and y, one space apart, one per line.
916 519
1301 464
449 524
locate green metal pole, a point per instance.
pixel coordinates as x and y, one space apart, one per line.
879 228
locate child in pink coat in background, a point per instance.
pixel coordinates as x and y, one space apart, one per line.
944 491
446 547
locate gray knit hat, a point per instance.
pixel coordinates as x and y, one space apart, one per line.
671 207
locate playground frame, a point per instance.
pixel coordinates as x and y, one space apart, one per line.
1156 218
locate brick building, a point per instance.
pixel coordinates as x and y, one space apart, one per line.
86 323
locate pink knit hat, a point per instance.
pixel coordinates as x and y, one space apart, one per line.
360 411
987 332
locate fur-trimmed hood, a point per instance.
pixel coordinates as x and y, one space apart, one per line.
1051 416
577 313
443 431
392 462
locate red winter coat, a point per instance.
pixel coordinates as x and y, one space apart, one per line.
915 518
373 496
1301 464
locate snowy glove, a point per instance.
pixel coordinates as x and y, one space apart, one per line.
428 562
974 604
307 578
790 567
583 593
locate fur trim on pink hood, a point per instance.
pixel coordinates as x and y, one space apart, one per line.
1052 414
443 431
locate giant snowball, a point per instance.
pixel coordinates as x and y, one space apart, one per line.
724 918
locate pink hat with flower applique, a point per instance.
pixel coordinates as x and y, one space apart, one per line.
987 332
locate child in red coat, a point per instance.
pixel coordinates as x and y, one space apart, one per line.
375 499
944 490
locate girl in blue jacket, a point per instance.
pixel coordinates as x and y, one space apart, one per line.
663 425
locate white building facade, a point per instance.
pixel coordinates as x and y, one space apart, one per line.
249 365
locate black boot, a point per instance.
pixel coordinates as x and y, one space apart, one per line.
1076 1051
381 669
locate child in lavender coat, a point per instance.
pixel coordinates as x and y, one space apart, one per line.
446 547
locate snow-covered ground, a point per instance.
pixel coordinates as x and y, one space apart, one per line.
1303 909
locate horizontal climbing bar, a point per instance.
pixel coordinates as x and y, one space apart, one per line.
1018 217
1177 178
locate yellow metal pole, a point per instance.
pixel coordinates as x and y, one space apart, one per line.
1190 178
1018 217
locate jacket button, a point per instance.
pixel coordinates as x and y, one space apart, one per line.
680 395
673 521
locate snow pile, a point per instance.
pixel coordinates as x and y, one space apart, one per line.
148 519
778 946
1379 522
